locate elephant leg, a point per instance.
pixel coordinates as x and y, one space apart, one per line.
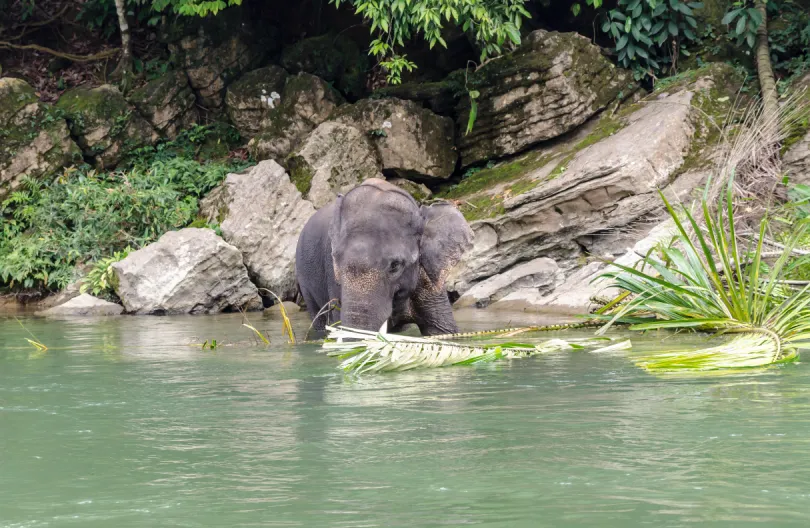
432 311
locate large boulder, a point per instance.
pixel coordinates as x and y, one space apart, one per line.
34 139
252 98
333 159
105 125
214 51
550 85
84 305
306 102
262 213
334 58
167 102
191 271
595 195
412 141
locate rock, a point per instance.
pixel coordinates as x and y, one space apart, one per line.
34 139
605 183
334 58
105 126
262 213
191 271
306 102
167 102
419 191
333 159
551 84
214 51
538 276
413 142
252 98
441 97
84 304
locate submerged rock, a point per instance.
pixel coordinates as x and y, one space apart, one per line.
251 100
191 271
333 159
167 103
601 185
34 139
334 58
412 142
550 85
262 213
306 102
105 126
84 305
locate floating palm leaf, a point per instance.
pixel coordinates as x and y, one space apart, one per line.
378 351
708 281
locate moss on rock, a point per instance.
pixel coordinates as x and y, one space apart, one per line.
334 58
105 126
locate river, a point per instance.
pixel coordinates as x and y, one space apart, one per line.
124 422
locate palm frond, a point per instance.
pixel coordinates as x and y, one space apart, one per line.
362 351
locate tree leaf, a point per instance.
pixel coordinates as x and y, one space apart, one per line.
473 116
622 43
740 29
673 29
730 16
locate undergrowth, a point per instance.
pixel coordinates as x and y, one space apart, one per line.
83 216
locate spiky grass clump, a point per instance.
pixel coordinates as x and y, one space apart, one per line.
708 280
381 352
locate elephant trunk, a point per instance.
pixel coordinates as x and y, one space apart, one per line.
364 310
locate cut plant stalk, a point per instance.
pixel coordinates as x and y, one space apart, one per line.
381 352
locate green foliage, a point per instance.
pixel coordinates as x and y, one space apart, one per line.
743 20
495 25
193 7
84 216
651 34
98 280
710 279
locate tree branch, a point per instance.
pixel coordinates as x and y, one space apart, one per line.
75 58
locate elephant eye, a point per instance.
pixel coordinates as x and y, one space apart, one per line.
395 266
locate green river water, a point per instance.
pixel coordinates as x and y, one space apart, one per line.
123 423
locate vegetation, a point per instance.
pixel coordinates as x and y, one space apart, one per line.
713 279
381 352
85 216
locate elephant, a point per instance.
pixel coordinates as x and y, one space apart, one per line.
383 258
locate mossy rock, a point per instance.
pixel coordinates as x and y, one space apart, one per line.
412 141
546 88
306 102
251 99
333 159
167 102
105 125
334 58
440 96
34 138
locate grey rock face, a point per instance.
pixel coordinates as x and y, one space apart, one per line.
252 99
550 85
332 159
84 305
34 142
191 271
167 103
262 214
412 142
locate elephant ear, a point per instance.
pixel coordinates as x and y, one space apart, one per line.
445 239
334 233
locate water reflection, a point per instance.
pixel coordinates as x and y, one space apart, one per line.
123 423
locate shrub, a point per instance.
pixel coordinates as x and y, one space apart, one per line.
83 215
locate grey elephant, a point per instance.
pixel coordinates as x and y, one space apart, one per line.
383 258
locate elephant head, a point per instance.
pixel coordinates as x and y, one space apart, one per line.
391 257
